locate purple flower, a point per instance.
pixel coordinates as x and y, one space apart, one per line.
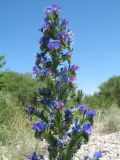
59 105
31 156
71 80
55 8
74 68
54 45
82 108
97 155
46 25
47 71
64 22
39 126
52 9
35 70
87 127
65 36
90 114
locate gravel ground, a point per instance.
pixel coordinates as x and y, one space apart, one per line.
109 144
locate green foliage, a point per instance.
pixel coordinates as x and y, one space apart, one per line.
2 81
2 61
21 86
109 93
74 144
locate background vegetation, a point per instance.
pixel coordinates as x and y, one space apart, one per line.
17 91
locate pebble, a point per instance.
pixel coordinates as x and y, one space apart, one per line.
109 144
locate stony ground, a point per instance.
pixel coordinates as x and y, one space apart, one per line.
109 144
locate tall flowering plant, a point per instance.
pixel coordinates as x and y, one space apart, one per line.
65 129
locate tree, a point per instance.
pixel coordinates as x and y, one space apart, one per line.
2 61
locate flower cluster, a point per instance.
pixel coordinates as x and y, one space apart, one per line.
65 129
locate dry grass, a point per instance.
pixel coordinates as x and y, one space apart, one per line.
17 132
108 120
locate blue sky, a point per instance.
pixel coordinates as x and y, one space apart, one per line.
96 27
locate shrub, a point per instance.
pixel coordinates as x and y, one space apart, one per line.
21 86
108 95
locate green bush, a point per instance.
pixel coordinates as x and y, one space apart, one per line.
109 94
21 86
2 61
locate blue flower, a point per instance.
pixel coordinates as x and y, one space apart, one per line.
86 158
47 71
87 127
82 108
74 68
65 36
54 45
42 91
63 71
31 156
76 128
68 114
90 114
60 143
64 22
39 126
97 155
45 101
35 70
65 78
